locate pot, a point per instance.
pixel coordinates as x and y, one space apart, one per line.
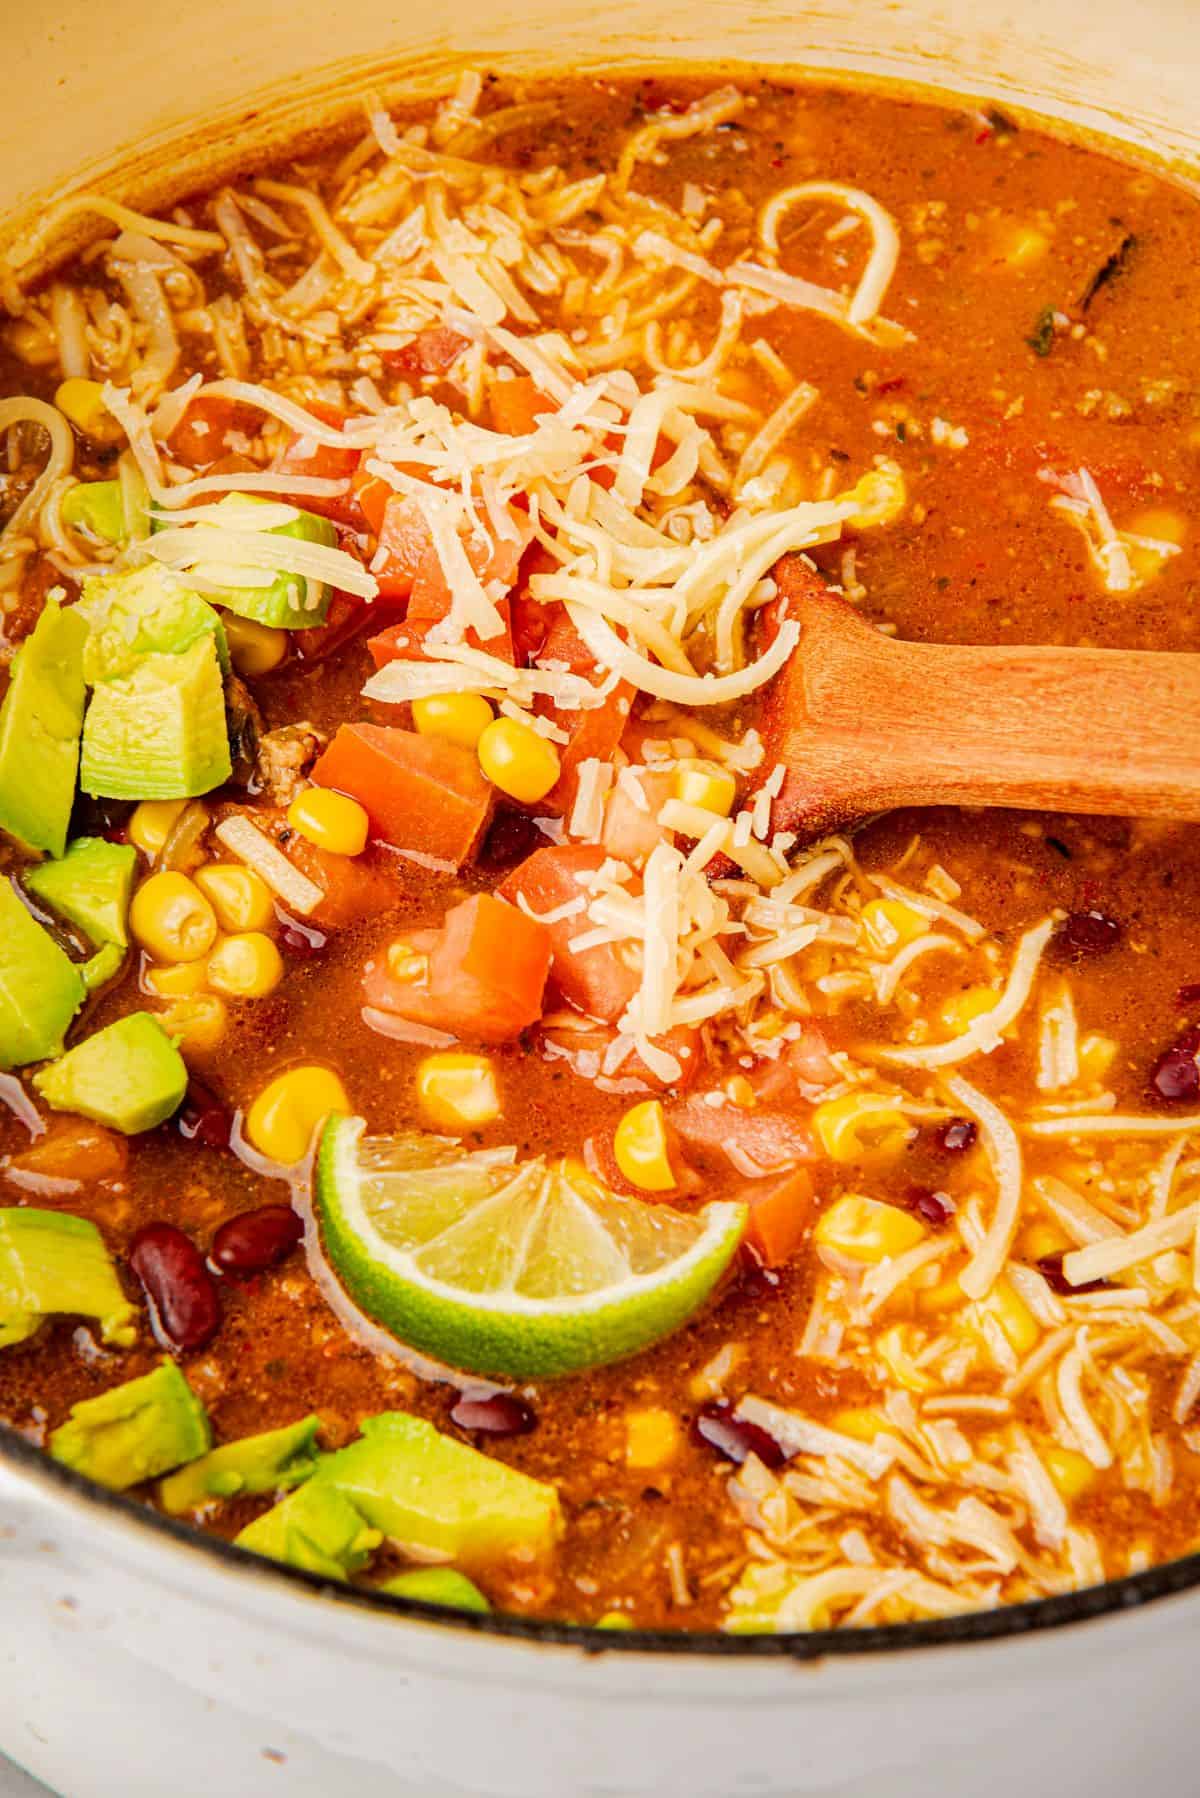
140 1659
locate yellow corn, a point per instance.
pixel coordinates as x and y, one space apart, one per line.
241 898
518 760
640 1147
330 820
888 924
152 822
81 402
1096 1055
180 980
880 497
863 1422
866 1230
198 1024
1072 1473
281 1121
171 918
254 648
1011 1313
897 1349
861 1127
614 1620
1024 245
707 785
1041 1238
947 1295
248 966
961 1011
651 1438
459 717
407 963
458 1090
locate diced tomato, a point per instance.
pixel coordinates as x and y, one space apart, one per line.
585 1050
563 643
423 795
591 734
483 975
804 1063
596 981
517 405
780 1210
408 566
305 456
346 617
202 434
748 1138
355 887
431 352
404 542
631 834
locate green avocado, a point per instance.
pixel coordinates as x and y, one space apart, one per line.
285 601
437 1585
435 1496
134 1432
159 732
39 731
90 887
274 1461
40 986
316 1529
97 507
129 1076
141 612
52 1262
102 967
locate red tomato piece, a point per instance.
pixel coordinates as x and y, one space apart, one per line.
756 1141
305 456
481 975
780 1211
517 405
595 981
202 434
431 352
423 795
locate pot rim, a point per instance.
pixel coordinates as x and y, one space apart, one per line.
1034 1616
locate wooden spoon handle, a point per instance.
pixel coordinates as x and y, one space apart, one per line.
864 723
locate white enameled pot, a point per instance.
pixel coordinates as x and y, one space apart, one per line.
139 1662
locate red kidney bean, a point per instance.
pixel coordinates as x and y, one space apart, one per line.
1188 995
735 1437
499 1414
957 1136
1088 933
202 1118
1051 1269
1175 1075
933 1208
255 1240
184 1307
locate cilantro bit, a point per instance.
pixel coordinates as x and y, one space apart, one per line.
1041 338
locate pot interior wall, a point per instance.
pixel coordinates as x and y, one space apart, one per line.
117 108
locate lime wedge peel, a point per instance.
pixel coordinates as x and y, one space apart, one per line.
514 1270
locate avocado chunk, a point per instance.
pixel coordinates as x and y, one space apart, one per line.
90 887
129 1076
435 1496
141 612
40 986
316 1529
102 967
274 1461
285 601
159 732
97 507
134 1432
39 731
437 1585
52 1262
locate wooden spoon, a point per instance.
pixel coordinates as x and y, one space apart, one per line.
864 723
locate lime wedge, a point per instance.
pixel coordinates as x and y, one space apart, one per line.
518 1269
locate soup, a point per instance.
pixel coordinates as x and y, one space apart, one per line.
457 1136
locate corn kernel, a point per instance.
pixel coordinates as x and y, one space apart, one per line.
897 1349
1023 246
248 966
880 497
867 1230
81 402
406 963
458 1090
254 648
171 919
888 924
641 1149
651 1438
241 898
1096 1055
330 820
614 1620
1011 1313
1041 1238
739 1092
461 718
517 760
152 822
1072 1473
707 785
1161 522
198 1024
961 1011
180 980
863 1422
281 1121
947 1295
861 1127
